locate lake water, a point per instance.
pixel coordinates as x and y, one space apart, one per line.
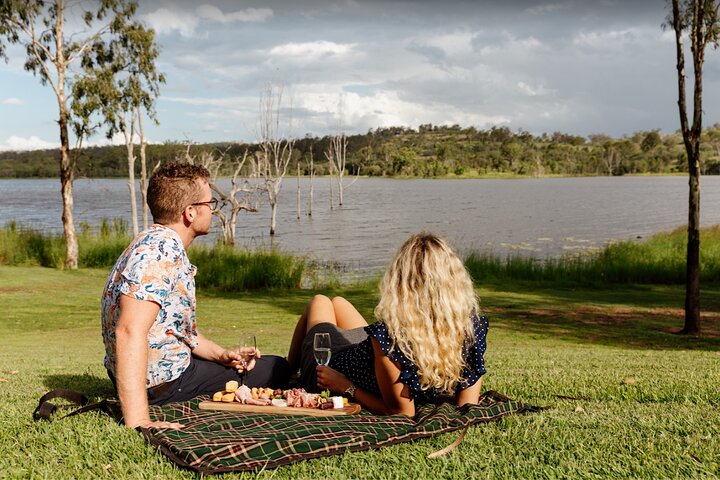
536 217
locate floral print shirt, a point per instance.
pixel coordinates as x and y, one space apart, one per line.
156 268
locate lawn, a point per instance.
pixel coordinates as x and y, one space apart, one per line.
627 397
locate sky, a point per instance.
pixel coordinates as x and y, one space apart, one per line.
574 66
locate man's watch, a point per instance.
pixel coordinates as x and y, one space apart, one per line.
350 391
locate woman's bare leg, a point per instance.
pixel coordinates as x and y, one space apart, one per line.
319 310
346 315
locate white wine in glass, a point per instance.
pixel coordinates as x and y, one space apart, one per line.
247 351
321 348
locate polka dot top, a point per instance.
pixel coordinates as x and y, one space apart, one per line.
358 363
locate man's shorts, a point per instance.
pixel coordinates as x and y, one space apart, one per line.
203 377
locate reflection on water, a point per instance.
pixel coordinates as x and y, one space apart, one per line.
535 217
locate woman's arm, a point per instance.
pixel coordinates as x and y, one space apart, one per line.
394 398
395 394
336 382
470 394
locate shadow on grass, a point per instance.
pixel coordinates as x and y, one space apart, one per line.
89 385
295 301
628 316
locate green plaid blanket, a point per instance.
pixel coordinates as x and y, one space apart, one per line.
217 441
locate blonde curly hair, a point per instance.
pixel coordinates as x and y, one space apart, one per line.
427 301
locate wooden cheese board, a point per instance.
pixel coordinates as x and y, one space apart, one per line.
349 409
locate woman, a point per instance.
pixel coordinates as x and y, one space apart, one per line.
427 345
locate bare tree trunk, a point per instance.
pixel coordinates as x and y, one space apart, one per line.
312 187
66 191
298 190
332 193
130 146
273 218
143 172
692 287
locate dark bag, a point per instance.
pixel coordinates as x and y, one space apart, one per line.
77 401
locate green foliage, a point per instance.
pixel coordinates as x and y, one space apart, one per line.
231 270
221 268
431 151
25 246
659 260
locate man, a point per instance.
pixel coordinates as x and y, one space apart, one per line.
154 352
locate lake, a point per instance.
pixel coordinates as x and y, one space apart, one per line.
536 217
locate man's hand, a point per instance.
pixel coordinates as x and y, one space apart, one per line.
242 359
151 424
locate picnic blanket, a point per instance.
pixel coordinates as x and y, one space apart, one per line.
219 441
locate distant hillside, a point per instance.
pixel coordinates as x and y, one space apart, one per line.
429 151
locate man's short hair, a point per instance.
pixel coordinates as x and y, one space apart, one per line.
172 188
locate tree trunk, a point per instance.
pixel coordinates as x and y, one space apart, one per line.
131 186
340 189
312 177
67 167
66 191
298 190
143 173
692 286
332 193
273 215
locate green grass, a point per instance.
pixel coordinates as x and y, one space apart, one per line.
659 259
645 402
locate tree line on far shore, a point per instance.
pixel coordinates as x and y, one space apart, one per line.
426 152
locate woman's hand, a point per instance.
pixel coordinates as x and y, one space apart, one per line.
332 380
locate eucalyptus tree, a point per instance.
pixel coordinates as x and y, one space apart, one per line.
64 41
699 19
114 93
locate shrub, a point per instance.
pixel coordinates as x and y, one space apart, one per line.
220 267
230 269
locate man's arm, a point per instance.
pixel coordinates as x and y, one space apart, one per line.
209 350
131 356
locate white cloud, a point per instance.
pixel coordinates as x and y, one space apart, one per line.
311 49
15 143
545 8
455 43
211 12
607 39
166 21
385 108
533 90
12 101
211 102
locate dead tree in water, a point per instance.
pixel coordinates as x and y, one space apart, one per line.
243 193
312 177
275 149
336 155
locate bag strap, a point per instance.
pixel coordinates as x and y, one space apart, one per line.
46 409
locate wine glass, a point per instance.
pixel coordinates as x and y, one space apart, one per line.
321 348
247 350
